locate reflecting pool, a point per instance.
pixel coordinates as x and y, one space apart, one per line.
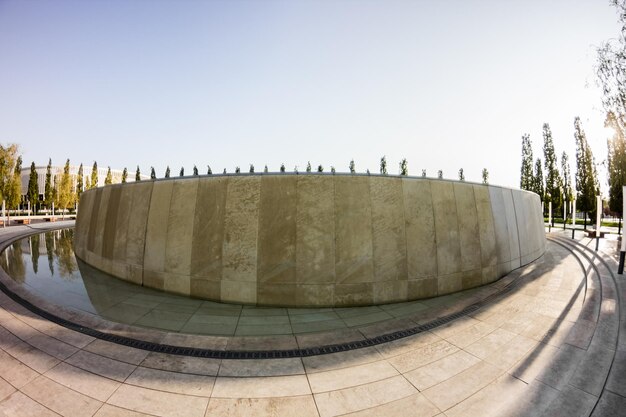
45 265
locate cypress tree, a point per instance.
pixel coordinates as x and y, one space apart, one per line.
251 168
33 188
553 178
282 167
152 174
567 182
308 166
383 165
352 169
79 182
586 175
526 180
538 187
109 178
182 172
94 175
48 185
440 174
320 168
124 175
461 175
137 174
404 168
195 170
167 172
208 171
486 176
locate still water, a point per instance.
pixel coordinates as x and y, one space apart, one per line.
46 266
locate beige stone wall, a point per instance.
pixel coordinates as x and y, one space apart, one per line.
308 240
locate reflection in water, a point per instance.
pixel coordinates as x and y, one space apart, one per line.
34 251
71 283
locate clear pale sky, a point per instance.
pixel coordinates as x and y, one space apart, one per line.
228 83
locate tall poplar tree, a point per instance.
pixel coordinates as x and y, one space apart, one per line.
167 172
94 175
14 190
64 192
33 187
124 175
526 177
109 178
616 165
538 181
137 174
586 174
48 190
152 173
79 182
553 179
567 182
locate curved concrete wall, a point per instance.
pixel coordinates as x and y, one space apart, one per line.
308 240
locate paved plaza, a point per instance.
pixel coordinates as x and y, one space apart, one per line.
548 339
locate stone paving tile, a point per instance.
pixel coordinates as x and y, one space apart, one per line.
32 357
558 371
263 312
363 396
531 402
300 406
14 371
490 344
512 352
183 364
118 352
6 389
341 360
422 355
415 404
441 370
581 333
20 405
571 402
348 377
363 319
470 335
617 378
198 385
52 346
266 367
455 326
158 403
68 336
261 387
593 370
108 410
491 400
407 344
60 399
461 386
92 385
101 365
610 405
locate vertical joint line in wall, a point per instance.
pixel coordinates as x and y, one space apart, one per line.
519 245
406 243
432 207
145 235
480 246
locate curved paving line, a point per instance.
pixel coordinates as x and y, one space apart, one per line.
244 354
583 250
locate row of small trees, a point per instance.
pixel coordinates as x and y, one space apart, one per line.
403 165
60 190
555 185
